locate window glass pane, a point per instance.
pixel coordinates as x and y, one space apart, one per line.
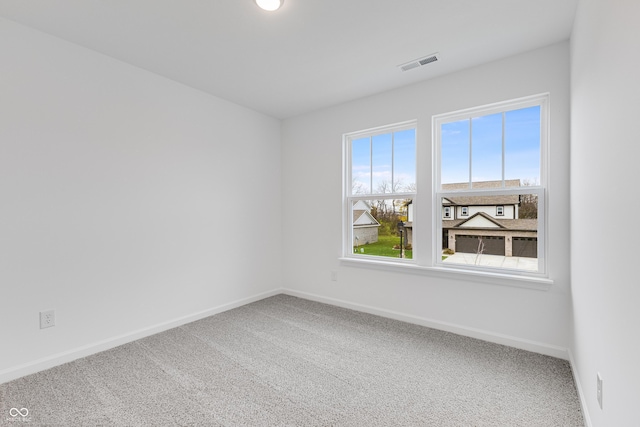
381 154
375 227
361 166
486 152
454 151
404 160
485 239
522 145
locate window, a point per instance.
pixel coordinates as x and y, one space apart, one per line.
380 184
492 159
489 173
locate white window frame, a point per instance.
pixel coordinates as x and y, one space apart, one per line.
427 243
499 210
349 198
540 190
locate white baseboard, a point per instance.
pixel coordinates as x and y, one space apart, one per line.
89 349
536 347
581 396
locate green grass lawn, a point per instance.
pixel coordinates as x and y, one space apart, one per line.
383 247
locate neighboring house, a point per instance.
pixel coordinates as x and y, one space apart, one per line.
488 224
365 226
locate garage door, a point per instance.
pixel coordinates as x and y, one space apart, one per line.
525 247
493 245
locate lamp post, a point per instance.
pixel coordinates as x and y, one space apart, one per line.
400 230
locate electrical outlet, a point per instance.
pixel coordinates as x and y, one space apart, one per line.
599 389
334 276
47 319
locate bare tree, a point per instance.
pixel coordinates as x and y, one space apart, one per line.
528 202
411 188
479 251
357 187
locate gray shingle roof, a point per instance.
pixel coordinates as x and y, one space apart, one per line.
481 185
507 224
509 199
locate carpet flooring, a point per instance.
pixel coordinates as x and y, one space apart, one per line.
286 361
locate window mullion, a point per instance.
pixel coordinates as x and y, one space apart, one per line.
470 152
370 164
393 178
503 148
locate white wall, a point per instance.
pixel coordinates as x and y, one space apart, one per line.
312 190
605 96
126 201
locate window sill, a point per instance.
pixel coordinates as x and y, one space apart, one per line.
503 279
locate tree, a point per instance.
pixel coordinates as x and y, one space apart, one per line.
357 187
528 203
389 211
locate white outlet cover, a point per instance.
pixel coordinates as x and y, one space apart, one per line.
47 319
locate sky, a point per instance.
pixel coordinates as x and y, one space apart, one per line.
390 158
521 148
384 159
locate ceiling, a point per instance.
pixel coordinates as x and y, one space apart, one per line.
309 54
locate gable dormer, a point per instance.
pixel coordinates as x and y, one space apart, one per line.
480 220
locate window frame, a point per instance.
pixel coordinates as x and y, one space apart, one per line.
428 214
541 190
349 198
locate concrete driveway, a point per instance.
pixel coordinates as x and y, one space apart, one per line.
513 262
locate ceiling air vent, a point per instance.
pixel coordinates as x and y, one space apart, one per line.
419 62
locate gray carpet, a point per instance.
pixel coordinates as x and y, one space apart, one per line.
285 361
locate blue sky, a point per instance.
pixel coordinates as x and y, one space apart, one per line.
522 147
384 159
390 157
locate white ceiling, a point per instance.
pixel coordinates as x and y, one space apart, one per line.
308 55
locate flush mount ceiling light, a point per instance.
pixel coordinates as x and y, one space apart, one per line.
269 5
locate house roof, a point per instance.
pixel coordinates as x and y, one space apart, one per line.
362 205
510 199
503 224
481 185
362 218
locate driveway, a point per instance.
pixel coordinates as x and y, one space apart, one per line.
513 262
